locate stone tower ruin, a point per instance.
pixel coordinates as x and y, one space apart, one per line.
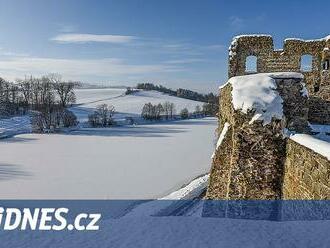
288 59
261 160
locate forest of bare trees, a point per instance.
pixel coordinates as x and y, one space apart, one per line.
45 98
102 116
159 111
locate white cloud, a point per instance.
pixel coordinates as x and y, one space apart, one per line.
237 22
13 54
77 68
185 61
177 46
87 38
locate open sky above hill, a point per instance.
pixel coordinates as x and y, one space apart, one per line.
175 43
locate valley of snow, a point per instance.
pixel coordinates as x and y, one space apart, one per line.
127 162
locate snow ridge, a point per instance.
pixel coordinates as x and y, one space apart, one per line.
194 189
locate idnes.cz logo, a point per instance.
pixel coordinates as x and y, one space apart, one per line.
46 219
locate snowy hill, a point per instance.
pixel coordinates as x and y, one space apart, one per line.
125 105
90 96
107 163
89 99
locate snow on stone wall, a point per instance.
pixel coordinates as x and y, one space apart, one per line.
307 166
250 161
287 59
258 93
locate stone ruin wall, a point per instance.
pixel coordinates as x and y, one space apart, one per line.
288 60
306 174
258 162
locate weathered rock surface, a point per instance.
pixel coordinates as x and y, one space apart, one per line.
254 159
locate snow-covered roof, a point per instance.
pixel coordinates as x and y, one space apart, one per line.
257 92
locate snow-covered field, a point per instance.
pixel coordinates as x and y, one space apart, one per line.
144 161
125 105
140 161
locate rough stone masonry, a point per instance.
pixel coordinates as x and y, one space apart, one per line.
288 59
258 161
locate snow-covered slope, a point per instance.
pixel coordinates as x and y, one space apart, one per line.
125 105
193 190
14 125
89 99
90 96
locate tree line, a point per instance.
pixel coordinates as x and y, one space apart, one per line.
46 98
183 93
167 111
159 111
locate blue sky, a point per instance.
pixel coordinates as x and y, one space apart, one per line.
177 43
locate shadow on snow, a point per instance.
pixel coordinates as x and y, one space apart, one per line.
16 139
133 131
10 171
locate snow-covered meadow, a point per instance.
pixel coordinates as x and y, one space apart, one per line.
125 105
124 162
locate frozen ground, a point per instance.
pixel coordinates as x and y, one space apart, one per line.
145 161
125 105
